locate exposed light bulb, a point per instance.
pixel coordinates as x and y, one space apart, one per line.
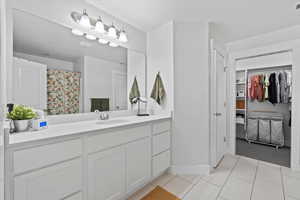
85 20
112 32
99 27
77 32
123 37
112 44
102 41
90 37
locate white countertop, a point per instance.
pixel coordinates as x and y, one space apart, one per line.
66 129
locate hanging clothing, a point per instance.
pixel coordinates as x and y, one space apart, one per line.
266 86
254 87
289 82
278 87
284 91
260 88
272 89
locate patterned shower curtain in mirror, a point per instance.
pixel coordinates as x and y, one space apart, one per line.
63 89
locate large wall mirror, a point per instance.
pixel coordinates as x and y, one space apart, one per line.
61 73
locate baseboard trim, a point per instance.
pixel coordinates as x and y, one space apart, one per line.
190 169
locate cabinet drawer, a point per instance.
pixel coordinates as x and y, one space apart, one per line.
161 143
34 158
55 182
160 163
162 126
114 138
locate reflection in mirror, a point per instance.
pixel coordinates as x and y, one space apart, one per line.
61 73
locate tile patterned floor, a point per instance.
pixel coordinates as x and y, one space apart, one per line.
236 178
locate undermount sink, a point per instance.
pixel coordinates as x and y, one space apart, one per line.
112 121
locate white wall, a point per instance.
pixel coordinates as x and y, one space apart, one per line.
267 43
160 58
97 77
191 102
50 62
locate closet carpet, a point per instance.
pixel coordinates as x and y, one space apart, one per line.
263 152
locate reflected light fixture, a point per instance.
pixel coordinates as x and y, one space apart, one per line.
123 37
112 32
112 44
90 37
85 20
77 32
102 41
99 27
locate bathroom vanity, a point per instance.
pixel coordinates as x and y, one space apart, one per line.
90 160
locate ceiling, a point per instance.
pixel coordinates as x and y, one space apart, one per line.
236 19
37 36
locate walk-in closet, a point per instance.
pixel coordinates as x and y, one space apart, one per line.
263 110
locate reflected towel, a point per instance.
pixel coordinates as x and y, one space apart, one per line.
158 92
134 92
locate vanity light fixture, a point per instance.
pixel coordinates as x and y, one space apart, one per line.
90 37
112 44
112 32
77 32
95 29
123 36
99 27
85 20
102 41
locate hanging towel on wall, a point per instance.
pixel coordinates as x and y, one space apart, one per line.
158 92
134 92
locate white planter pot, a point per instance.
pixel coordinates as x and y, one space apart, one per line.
21 125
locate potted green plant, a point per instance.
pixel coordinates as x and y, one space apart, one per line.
21 116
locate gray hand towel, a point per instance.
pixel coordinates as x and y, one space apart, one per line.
134 92
158 92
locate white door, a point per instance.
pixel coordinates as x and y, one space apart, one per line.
107 175
221 106
138 157
119 99
218 105
30 83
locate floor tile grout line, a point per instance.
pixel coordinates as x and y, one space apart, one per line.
282 183
187 192
231 171
254 180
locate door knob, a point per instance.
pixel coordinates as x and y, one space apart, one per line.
218 114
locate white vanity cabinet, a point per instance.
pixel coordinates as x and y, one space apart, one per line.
48 172
138 155
109 164
106 174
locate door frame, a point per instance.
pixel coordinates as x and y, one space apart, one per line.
289 46
215 49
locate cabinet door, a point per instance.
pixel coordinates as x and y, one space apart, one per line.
106 175
52 183
30 83
138 156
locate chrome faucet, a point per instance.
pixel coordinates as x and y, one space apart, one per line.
102 115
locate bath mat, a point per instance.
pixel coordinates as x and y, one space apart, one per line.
160 194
